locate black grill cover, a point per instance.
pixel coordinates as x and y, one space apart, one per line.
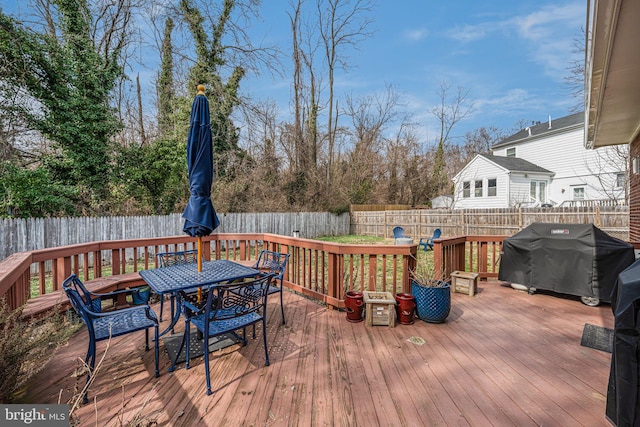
575 259
623 404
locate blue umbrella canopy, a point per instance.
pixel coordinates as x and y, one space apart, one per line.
200 216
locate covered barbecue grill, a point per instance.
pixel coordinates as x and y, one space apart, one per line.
574 259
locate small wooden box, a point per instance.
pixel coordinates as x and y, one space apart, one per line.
464 282
380 308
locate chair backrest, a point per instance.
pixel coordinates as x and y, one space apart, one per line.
436 234
80 298
236 299
272 262
166 259
398 232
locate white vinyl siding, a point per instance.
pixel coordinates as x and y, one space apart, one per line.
564 154
480 169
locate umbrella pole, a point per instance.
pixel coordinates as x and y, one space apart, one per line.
199 265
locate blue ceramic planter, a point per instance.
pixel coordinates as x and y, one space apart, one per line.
433 304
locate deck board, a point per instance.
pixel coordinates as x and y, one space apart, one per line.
502 358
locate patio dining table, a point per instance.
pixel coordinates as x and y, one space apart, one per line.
186 277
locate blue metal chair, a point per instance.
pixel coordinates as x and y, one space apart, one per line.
166 259
109 324
228 308
427 242
398 232
273 263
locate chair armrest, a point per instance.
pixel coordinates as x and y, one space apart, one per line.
193 308
149 313
113 293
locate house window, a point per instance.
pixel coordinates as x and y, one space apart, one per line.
578 193
466 189
619 180
538 191
533 189
511 152
478 188
491 187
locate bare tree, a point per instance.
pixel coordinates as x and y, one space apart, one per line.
449 112
610 166
369 117
406 167
343 24
575 79
304 135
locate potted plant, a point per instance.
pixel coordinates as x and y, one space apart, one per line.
432 294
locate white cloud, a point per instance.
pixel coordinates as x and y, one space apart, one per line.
513 100
545 24
470 33
546 34
415 35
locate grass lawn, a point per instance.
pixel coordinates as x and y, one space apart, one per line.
352 239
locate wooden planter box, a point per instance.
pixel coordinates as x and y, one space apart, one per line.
464 282
380 308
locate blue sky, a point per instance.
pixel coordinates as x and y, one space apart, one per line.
512 56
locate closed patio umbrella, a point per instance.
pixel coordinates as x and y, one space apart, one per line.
200 216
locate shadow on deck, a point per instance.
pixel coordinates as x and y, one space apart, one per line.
503 357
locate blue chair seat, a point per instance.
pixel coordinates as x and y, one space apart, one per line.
103 325
228 308
124 321
227 325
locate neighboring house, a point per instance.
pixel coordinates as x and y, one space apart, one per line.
612 74
544 164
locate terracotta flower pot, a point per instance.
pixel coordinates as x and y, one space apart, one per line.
354 305
406 304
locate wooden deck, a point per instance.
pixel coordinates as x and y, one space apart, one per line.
502 358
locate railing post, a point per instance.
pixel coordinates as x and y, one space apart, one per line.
484 259
409 264
97 264
373 271
438 260
62 271
461 256
335 276
115 261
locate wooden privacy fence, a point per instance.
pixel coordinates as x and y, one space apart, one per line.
502 222
20 235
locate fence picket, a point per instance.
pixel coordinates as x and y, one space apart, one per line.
20 235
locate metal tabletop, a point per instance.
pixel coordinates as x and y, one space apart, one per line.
176 278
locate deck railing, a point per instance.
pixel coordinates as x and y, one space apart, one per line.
479 254
321 270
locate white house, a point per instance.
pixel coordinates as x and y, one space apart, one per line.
544 164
